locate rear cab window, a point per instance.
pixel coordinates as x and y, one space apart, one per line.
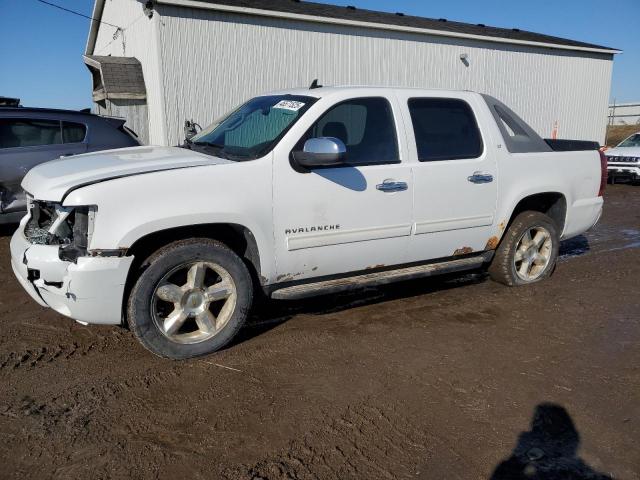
518 136
444 129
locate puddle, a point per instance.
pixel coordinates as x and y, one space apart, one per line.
625 247
596 240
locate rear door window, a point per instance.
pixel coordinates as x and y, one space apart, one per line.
445 129
28 132
73 132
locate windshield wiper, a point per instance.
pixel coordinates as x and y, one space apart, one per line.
210 144
218 152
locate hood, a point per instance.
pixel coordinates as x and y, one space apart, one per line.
623 152
53 180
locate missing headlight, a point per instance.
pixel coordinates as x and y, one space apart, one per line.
79 238
68 227
79 243
37 230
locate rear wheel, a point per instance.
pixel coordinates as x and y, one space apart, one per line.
191 299
528 252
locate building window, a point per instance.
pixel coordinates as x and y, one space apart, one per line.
445 129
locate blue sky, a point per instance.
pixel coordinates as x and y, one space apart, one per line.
41 47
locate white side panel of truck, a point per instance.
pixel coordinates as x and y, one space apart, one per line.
337 220
454 199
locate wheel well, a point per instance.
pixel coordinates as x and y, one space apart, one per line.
237 237
552 204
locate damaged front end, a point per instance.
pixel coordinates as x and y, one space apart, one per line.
51 258
67 227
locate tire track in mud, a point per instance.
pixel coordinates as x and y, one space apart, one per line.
364 441
53 407
39 356
30 358
57 424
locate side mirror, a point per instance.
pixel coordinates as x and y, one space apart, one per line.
322 152
190 129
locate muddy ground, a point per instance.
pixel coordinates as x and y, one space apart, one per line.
439 379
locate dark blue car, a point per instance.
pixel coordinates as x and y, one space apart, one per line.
30 136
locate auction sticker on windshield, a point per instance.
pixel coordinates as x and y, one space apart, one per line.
289 105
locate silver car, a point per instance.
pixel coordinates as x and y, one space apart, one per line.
30 136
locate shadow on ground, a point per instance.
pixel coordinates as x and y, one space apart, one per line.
273 312
548 451
574 247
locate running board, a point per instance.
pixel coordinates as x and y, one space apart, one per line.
327 287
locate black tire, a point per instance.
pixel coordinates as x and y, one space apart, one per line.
154 270
503 266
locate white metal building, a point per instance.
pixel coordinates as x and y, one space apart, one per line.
200 58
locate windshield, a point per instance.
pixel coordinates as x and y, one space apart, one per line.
632 141
252 130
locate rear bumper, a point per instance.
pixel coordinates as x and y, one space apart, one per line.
89 291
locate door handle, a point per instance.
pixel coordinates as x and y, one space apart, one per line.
480 177
390 186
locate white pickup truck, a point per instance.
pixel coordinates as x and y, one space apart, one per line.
299 193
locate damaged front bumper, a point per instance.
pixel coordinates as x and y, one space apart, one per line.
89 289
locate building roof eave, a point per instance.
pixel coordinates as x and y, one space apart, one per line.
274 12
96 16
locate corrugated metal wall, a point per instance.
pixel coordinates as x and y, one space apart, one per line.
138 40
200 63
135 111
212 61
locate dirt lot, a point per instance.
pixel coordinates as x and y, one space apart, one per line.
448 378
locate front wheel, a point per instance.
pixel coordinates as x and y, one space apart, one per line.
191 299
528 252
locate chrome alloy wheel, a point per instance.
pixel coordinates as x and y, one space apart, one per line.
193 302
533 253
